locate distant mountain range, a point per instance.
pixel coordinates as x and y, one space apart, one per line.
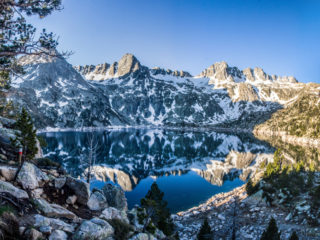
59 95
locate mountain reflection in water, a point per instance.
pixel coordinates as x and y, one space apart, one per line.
189 167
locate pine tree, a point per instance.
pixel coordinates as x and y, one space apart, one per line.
25 136
271 233
294 236
154 211
205 232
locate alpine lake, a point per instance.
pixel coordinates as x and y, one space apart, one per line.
189 166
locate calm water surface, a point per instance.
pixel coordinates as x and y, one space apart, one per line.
187 166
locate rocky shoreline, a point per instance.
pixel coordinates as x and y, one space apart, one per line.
248 215
48 204
265 134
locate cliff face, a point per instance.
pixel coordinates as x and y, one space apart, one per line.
128 93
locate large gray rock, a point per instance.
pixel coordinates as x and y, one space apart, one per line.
58 235
30 176
6 187
113 213
115 196
53 210
81 189
97 201
57 224
8 172
93 229
143 236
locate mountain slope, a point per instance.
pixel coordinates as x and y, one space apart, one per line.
128 93
57 95
301 118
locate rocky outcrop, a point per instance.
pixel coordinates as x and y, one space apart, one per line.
6 187
80 188
93 229
52 210
160 71
30 177
113 213
97 201
115 196
41 221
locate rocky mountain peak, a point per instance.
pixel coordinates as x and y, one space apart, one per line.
222 72
41 58
176 73
128 64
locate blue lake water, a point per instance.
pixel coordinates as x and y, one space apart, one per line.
189 167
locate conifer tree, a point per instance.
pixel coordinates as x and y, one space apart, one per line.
205 232
17 37
154 212
294 236
26 137
272 232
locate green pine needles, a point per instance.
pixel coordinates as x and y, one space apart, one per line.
205 232
272 232
26 137
154 212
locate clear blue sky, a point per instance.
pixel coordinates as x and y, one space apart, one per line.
282 37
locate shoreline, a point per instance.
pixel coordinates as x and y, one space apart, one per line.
265 135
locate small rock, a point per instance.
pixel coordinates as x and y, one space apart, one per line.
71 199
59 182
33 234
58 235
21 230
37 193
8 173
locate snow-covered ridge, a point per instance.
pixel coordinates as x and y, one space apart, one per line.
126 93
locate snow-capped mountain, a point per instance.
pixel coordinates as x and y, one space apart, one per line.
128 93
58 96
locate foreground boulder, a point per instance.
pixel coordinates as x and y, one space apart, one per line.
53 210
97 201
56 224
6 187
143 236
94 229
115 196
58 235
80 188
30 177
113 213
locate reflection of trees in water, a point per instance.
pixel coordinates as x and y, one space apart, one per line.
145 152
297 153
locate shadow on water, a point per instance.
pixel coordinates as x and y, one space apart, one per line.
188 166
